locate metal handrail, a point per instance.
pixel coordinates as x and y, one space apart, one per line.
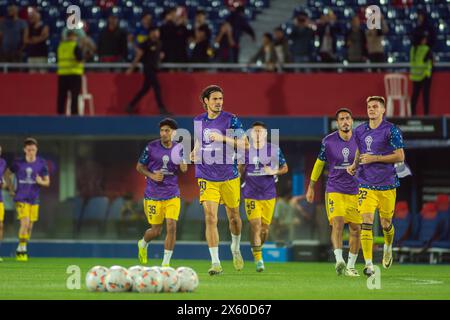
224 66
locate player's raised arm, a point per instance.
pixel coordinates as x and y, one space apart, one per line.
316 173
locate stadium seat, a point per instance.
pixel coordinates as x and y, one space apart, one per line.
93 216
401 222
428 227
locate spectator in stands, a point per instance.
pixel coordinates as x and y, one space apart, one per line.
421 62
201 52
87 45
201 21
182 35
141 33
302 39
281 46
38 33
112 42
224 43
149 53
328 30
266 54
424 28
375 37
355 41
169 35
13 36
106 4
70 71
239 25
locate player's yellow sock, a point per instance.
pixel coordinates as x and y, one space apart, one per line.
23 240
389 235
257 252
367 240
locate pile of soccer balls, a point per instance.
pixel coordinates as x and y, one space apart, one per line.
141 279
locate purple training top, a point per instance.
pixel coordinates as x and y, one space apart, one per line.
157 157
257 184
227 168
27 189
339 154
380 141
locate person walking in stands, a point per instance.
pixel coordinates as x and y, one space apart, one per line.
149 53
70 72
421 62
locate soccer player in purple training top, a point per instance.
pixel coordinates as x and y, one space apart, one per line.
341 197
217 172
3 167
380 146
264 162
31 174
160 162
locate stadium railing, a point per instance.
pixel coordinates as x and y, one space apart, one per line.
240 67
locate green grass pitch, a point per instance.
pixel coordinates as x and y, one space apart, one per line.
45 278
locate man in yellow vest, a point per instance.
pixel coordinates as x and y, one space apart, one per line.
421 62
70 71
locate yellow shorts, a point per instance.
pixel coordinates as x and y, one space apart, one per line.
370 200
260 209
2 212
26 210
157 210
226 192
343 205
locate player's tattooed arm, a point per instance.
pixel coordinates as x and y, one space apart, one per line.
241 169
397 156
351 169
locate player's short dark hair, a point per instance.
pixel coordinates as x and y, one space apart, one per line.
260 124
30 141
380 99
169 122
343 110
206 93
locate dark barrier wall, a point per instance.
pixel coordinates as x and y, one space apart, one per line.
245 94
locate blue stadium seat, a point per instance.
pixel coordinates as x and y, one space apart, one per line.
114 209
95 209
402 226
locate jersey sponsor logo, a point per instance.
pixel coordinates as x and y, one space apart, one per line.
28 179
345 154
368 140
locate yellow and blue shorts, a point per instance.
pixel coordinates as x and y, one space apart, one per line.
342 205
370 200
157 210
27 210
223 192
260 209
2 212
